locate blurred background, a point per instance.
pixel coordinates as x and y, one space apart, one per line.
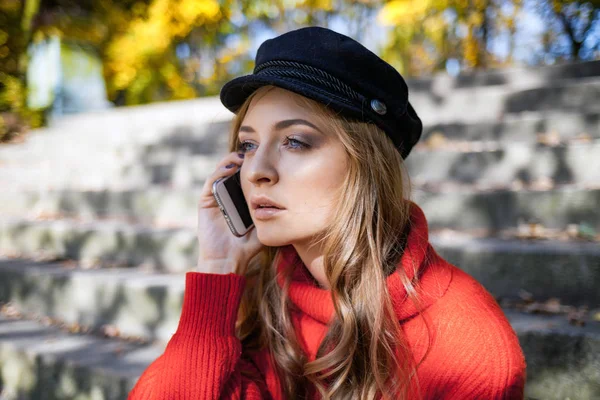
137 52
110 122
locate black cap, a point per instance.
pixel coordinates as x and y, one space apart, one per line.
337 71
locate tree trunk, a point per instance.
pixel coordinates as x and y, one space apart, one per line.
575 44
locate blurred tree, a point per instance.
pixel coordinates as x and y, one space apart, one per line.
426 34
141 60
577 19
173 49
15 33
176 49
227 55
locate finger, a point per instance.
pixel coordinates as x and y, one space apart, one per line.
227 166
221 170
233 157
234 163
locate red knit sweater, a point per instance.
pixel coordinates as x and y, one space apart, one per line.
474 353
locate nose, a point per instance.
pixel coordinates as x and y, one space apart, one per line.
261 168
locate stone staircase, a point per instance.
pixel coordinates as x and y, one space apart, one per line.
98 216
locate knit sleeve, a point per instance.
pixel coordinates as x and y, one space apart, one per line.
488 363
509 386
477 354
203 359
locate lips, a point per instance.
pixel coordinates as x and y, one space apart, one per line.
263 202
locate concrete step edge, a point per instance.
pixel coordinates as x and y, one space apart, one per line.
131 225
159 209
94 243
73 365
130 303
511 76
81 365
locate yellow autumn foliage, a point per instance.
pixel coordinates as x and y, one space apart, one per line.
403 11
423 23
325 5
151 37
138 39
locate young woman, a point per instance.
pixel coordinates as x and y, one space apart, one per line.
336 292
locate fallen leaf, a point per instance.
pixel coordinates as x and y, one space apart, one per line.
550 306
436 140
110 330
517 184
10 311
551 138
526 296
578 317
583 138
542 183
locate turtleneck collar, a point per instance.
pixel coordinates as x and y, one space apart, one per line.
419 259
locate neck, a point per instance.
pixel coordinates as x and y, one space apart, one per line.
312 257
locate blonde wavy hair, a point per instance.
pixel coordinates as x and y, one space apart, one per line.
364 354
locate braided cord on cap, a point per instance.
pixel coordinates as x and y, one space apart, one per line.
306 72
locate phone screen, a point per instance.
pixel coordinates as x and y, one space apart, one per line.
234 187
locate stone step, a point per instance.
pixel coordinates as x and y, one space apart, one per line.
563 361
45 145
523 127
185 157
44 362
40 360
568 270
479 206
168 168
493 103
549 267
503 164
108 171
125 127
135 301
514 77
109 161
155 205
468 162
92 243
205 137
136 155
210 139
581 96
491 162
498 209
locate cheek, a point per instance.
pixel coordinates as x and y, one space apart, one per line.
314 189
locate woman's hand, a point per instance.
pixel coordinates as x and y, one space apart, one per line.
220 250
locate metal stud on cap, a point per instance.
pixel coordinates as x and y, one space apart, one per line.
378 106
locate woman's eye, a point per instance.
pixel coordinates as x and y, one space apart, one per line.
243 147
296 144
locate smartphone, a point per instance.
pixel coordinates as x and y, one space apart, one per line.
230 198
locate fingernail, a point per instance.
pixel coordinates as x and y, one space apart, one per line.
230 166
241 155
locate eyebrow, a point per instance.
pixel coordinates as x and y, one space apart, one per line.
283 124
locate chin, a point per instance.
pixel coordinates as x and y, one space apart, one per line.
272 237
270 234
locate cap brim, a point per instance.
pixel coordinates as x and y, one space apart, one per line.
235 92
